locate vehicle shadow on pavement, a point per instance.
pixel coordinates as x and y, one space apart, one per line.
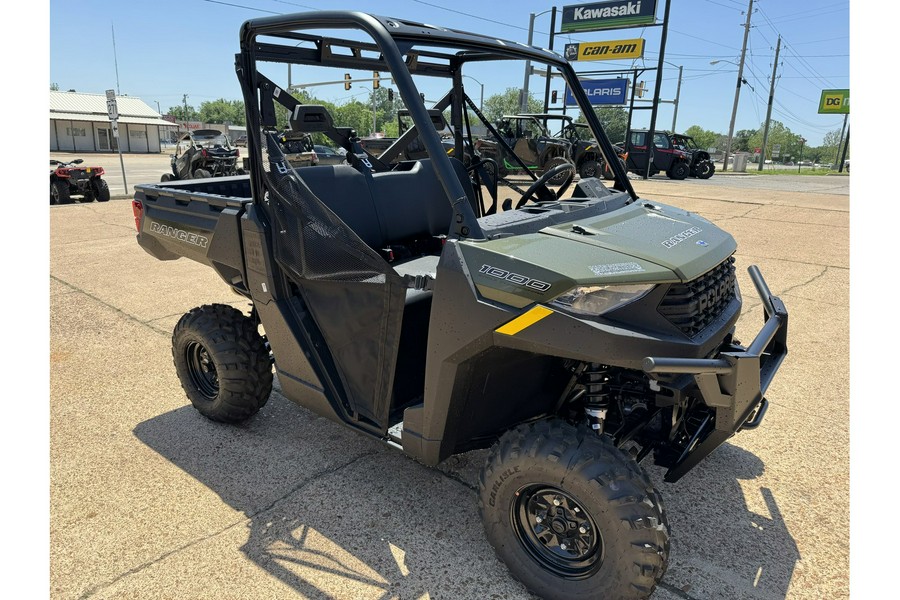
729 537
333 513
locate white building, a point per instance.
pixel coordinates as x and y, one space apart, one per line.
80 123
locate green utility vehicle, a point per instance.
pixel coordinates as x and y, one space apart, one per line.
520 143
578 334
584 148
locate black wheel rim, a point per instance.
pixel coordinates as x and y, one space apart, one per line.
202 370
557 531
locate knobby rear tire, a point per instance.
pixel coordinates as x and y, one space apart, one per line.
222 362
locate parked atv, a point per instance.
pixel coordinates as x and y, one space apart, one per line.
413 148
667 158
532 148
298 149
203 153
585 149
702 165
575 335
68 179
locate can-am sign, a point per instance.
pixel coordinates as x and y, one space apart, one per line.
609 50
601 91
608 15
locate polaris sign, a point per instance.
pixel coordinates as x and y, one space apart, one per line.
601 91
611 14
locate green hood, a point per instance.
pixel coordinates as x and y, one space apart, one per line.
682 242
639 243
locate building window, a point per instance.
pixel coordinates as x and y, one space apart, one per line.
137 133
76 132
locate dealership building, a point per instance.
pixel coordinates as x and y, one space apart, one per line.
80 123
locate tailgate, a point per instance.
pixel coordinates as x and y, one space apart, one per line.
181 219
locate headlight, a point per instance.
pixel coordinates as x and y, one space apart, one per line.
598 299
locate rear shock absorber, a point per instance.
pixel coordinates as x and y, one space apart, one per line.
596 404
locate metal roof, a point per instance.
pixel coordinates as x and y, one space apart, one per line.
75 106
62 116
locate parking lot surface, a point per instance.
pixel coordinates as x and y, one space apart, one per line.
151 500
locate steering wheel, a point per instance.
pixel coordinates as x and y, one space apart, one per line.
542 182
490 166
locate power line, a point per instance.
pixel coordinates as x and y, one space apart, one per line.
271 12
839 37
788 48
459 12
818 10
821 14
295 4
703 40
723 5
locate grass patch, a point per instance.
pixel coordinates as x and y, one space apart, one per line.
793 171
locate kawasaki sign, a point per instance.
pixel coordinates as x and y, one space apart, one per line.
601 91
608 15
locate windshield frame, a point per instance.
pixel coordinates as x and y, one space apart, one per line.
402 48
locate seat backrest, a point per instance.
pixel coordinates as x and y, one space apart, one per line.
402 204
345 191
525 150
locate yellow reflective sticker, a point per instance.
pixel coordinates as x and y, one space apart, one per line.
525 320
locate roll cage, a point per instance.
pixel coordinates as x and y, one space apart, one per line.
403 48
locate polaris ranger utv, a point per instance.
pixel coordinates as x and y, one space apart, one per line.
532 148
702 165
584 152
576 334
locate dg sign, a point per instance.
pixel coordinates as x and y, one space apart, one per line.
834 102
601 91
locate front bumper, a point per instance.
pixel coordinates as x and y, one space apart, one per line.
733 383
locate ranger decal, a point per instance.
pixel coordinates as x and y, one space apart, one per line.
179 234
680 237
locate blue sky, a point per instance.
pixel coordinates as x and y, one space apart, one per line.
168 48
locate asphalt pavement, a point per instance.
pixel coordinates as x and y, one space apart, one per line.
151 500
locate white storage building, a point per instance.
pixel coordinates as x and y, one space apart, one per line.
80 123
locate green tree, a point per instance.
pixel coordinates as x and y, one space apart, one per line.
781 135
705 138
182 114
741 140
614 121
356 115
54 87
507 103
223 111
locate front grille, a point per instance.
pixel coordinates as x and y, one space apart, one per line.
693 305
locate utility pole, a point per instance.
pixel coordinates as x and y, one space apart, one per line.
677 98
657 88
844 153
523 104
762 154
116 59
550 47
737 91
841 141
